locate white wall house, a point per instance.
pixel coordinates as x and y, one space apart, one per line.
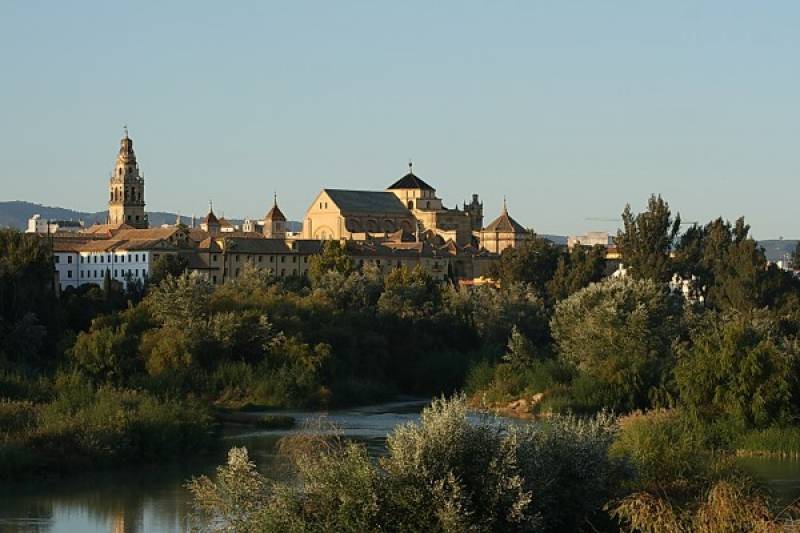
43 226
86 263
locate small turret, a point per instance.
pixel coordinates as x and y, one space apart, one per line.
275 221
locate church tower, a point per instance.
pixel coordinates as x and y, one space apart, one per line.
126 189
275 222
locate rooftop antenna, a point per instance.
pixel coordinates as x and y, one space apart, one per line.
125 128
410 164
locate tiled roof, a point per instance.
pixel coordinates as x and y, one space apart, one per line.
410 181
255 246
379 202
211 218
275 214
106 228
111 245
505 224
151 233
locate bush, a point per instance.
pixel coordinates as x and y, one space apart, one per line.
445 473
87 427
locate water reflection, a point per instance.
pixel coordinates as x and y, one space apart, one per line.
152 498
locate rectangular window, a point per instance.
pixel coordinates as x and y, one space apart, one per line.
69 259
69 273
237 258
95 259
283 259
57 259
102 259
81 259
81 273
260 258
115 273
272 259
214 279
294 259
214 258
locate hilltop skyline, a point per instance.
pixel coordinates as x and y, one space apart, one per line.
696 102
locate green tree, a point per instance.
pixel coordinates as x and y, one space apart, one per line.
741 366
576 270
520 352
492 313
410 293
534 263
168 265
182 301
647 239
332 258
619 334
28 305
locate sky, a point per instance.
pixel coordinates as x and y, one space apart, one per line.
569 109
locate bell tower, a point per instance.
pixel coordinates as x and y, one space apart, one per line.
126 188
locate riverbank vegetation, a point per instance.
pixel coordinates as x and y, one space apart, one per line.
695 346
448 473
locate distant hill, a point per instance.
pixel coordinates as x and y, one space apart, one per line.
15 214
777 249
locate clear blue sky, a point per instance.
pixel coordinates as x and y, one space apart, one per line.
571 109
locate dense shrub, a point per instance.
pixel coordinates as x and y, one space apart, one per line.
620 333
740 366
88 427
447 473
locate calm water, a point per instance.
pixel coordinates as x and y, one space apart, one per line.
152 499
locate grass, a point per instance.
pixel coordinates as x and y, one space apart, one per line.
773 441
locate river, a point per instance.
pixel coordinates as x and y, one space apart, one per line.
149 499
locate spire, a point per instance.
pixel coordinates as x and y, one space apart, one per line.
125 129
275 198
505 207
210 206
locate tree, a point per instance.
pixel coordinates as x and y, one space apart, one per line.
576 270
534 262
183 301
647 239
168 265
741 366
619 334
409 293
520 352
332 258
28 304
